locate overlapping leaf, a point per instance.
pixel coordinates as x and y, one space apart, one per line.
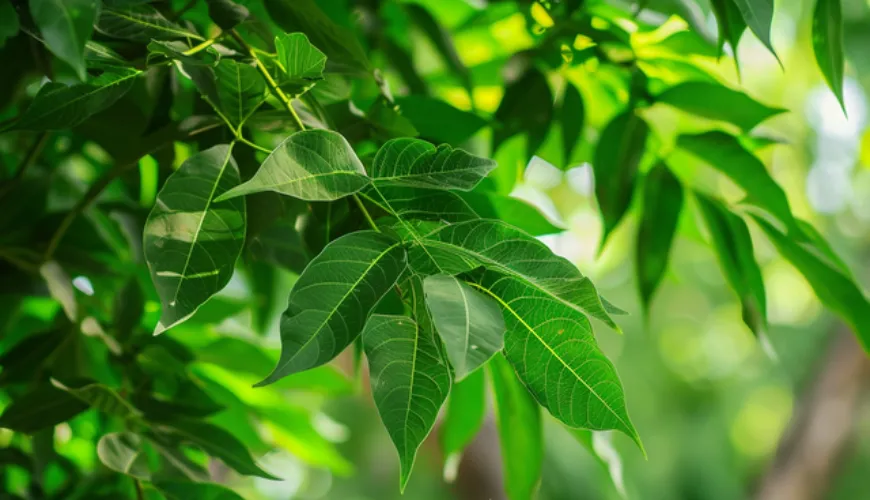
662 203
301 63
758 15
65 26
100 397
41 407
122 452
140 23
413 162
526 108
240 89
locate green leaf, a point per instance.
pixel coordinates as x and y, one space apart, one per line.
178 490
226 13
60 288
332 299
313 165
409 382
731 24
191 243
519 430
440 38
140 23
828 44
57 106
218 443
662 203
600 446
526 108
240 90
733 245
466 411
718 102
122 452
470 323
572 117
65 26
834 288
725 153
438 121
758 15
100 397
301 63
513 211
41 407
414 162
175 50
9 23
617 159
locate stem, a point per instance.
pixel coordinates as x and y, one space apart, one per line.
366 213
273 86
253 145
140 495
199 48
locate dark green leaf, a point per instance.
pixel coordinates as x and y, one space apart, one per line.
572 117
758 15
828 44
662 203
122 452
414 162
226 13
9 24
718 102
301 63
175 49
409 382
240 90
100 397
731 23
466 410
527 108
200 491
20 361
332 299
313 165
65 26
191 242
43 406
438 121
140 23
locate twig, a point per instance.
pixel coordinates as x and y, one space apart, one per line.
202 46
366 213
253 145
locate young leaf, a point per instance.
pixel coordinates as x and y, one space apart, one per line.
140 23
122 452
527 107
413 162
41 407
301 63
226 13
240 89
57 106
662 203
409 382
572 116
617 159
466 410
438 121
179 490
313 165
733 245
469 323
191 243
718 102
332 299
65 26
828 44
520 432
758 15
100 397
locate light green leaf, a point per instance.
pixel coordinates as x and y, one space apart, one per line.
662 204
617 159
409 382
733 245
417 163
65 26
440 38
514 211
313 165
41 407
718 102
122 452
226 13
140 23
178 490
725 153
438 121
470 323
600 446
758 15
57 106
526 108
828 44
519 430
466 410
60 288
240 90
332 299
191 242
300 62
102 398
572 117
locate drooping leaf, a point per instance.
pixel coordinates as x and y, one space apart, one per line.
731 24
21 359
409 381
438 121
191 242
600 446
301 63
65 26
470 323
178 490
58 106
175 50
828 44
718 102
733 245
240 89
100 397
527 108
617 159
466 410
122 452
572 117
313 165
413 162
520 432
514 211
140 23
332 299
226 13
758 15
442 41
662 203
41 407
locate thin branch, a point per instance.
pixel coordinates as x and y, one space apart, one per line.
366 213
202 46
253 145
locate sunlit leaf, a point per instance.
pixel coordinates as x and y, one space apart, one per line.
718 102
662 203
417 163
122 452
466 410
65 26
301 63
140 23
828 44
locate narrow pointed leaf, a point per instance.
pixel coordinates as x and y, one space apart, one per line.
438 121
122 452
191 242
178 490
520 432
65 26
526 108
718 102
600 446
60 288
731 24
332 299
174 49
313 165
414 162
441 39
42 407
140 23
828 44
409 382
226 13
758 15
513 211
301 63
469 323
466 410
100 397
240 89
662 203
572 116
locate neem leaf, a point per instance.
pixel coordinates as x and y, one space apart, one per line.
301 63
572 116
409 382
718 102
226 13
57 106
469 323
332 299
828 44
731 24
313 165
191 242
122 452
527 108
65 26
41 407
178 490
438 121
466 410
520 432
140 23
662 203
733 245
617 159
758 15
414 162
